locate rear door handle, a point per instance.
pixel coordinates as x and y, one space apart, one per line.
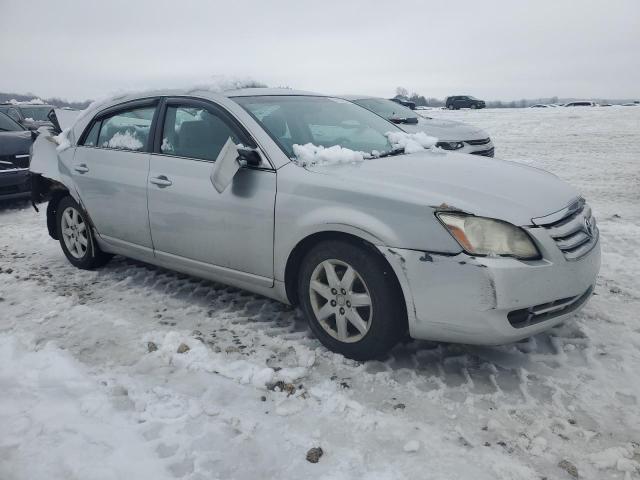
82 168
161 181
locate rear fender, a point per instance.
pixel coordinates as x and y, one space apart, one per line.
50 159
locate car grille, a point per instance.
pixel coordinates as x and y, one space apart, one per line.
482 141
10 162
526 317
485 153
573 229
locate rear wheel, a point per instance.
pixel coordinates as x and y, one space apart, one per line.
76 237
351 300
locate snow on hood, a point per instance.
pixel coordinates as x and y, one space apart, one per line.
411 142
479 185
445 130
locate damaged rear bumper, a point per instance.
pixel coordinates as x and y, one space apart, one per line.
490 301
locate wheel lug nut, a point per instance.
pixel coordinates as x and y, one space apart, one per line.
341 311
343 291
349 304
334 291
333 303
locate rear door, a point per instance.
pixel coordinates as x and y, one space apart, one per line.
110 169
228 233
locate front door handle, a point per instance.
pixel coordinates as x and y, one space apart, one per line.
161 181
82 168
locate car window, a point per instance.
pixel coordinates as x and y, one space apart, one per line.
322 121
386 108
36 113
13 113
9 125
195 132
91 140
126 129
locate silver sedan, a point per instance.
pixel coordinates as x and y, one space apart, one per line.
313 201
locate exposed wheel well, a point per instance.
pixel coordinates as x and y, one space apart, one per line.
52 209
292 268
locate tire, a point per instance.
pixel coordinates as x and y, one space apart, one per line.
373 294
450 107
76 236
473 106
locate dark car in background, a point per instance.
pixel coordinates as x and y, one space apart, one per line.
29 115
464 101
15 143
404 102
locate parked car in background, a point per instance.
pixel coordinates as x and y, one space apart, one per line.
540 105
30 115
404 102
581 104
451 135
15 142
253 188
463 101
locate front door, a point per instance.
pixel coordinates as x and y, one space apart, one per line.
110 170
230 232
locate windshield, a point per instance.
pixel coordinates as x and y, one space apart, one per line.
9 125
322 121
36 113
386 108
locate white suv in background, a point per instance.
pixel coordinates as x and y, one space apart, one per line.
451 135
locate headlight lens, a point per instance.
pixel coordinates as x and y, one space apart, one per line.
486 236
450 145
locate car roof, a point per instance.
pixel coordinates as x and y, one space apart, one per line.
255 92
360 97
26 104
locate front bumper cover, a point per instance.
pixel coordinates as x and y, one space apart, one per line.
466 299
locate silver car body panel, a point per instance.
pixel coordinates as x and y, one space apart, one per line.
245 236
113 187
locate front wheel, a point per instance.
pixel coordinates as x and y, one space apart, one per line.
76 237
351 300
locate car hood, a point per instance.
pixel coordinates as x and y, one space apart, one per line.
15 143
483 186
445 130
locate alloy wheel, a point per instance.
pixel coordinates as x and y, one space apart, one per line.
340 300
74 232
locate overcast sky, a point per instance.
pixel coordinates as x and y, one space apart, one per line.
491 49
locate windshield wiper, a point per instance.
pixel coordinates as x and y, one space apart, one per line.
390 153
404 120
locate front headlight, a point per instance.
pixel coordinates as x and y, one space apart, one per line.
486 236
450 145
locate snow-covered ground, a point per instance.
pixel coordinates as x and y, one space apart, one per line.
92 385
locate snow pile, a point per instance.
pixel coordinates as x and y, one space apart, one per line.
33 101
63 140
56 422
126 141
223 83
411 142
310 154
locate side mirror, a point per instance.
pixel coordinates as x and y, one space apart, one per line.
249 157
229 161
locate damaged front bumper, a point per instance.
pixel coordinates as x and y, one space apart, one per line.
491 300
